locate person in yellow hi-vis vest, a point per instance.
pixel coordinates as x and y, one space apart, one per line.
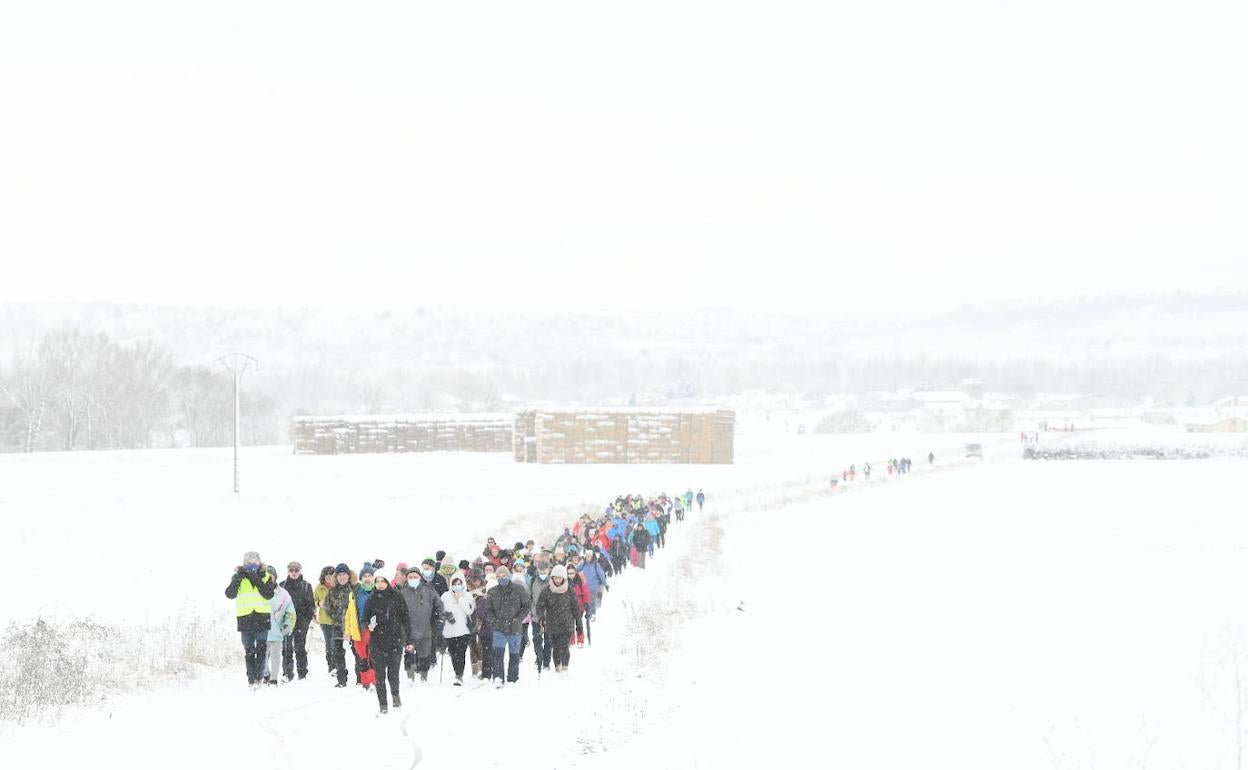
251 587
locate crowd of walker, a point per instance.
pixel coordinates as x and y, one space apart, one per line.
481 613
899 466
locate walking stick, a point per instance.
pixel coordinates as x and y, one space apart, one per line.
589 634
441 665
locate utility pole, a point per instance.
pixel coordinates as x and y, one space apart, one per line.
236 364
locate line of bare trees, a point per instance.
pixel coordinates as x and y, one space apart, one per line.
77 390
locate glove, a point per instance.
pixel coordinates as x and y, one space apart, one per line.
580 640
448 616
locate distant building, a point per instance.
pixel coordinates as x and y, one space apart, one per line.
1218 425
624 435
364 434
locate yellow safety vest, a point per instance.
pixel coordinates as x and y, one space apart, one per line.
249 599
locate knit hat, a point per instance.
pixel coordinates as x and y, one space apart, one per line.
295 565
559 571
413 571
401 567
251 556
381 576
367 569
342 569
271 570
504 569
428 561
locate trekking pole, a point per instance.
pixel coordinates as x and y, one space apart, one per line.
589 634
441 666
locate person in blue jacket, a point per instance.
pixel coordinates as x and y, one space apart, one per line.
652 526
701 500
595 579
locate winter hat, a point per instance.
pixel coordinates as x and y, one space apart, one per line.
402 567
295 565
413 571
342 569
251 556
271 570
428 561
559 571
325 571
503 569
380 577
367 569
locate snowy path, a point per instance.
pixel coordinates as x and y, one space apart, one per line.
207 721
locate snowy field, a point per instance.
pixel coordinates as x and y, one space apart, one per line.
1003 614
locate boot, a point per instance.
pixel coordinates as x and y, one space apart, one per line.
394 697
424 676
459 681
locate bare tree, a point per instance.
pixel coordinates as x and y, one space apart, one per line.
27 388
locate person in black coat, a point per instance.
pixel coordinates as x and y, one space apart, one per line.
295 646
641 541
506 604
559 613
386 614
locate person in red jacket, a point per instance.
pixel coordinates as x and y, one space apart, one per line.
581 591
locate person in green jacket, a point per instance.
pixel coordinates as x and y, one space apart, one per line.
251 587
322 617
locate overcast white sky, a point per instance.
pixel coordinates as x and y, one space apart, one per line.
770 155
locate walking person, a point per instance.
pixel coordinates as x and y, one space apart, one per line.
537 586
595 580
340 606
458 607
365 676
251 589
483 639
388 622
282 618
295 647
557 612
323 584
701 500
506 604
641 544
424 609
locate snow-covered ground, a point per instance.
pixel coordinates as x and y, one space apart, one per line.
1002 614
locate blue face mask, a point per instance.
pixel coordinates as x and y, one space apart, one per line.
457 588
253 568
428 573
504 581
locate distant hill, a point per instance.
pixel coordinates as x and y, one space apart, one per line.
412 358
